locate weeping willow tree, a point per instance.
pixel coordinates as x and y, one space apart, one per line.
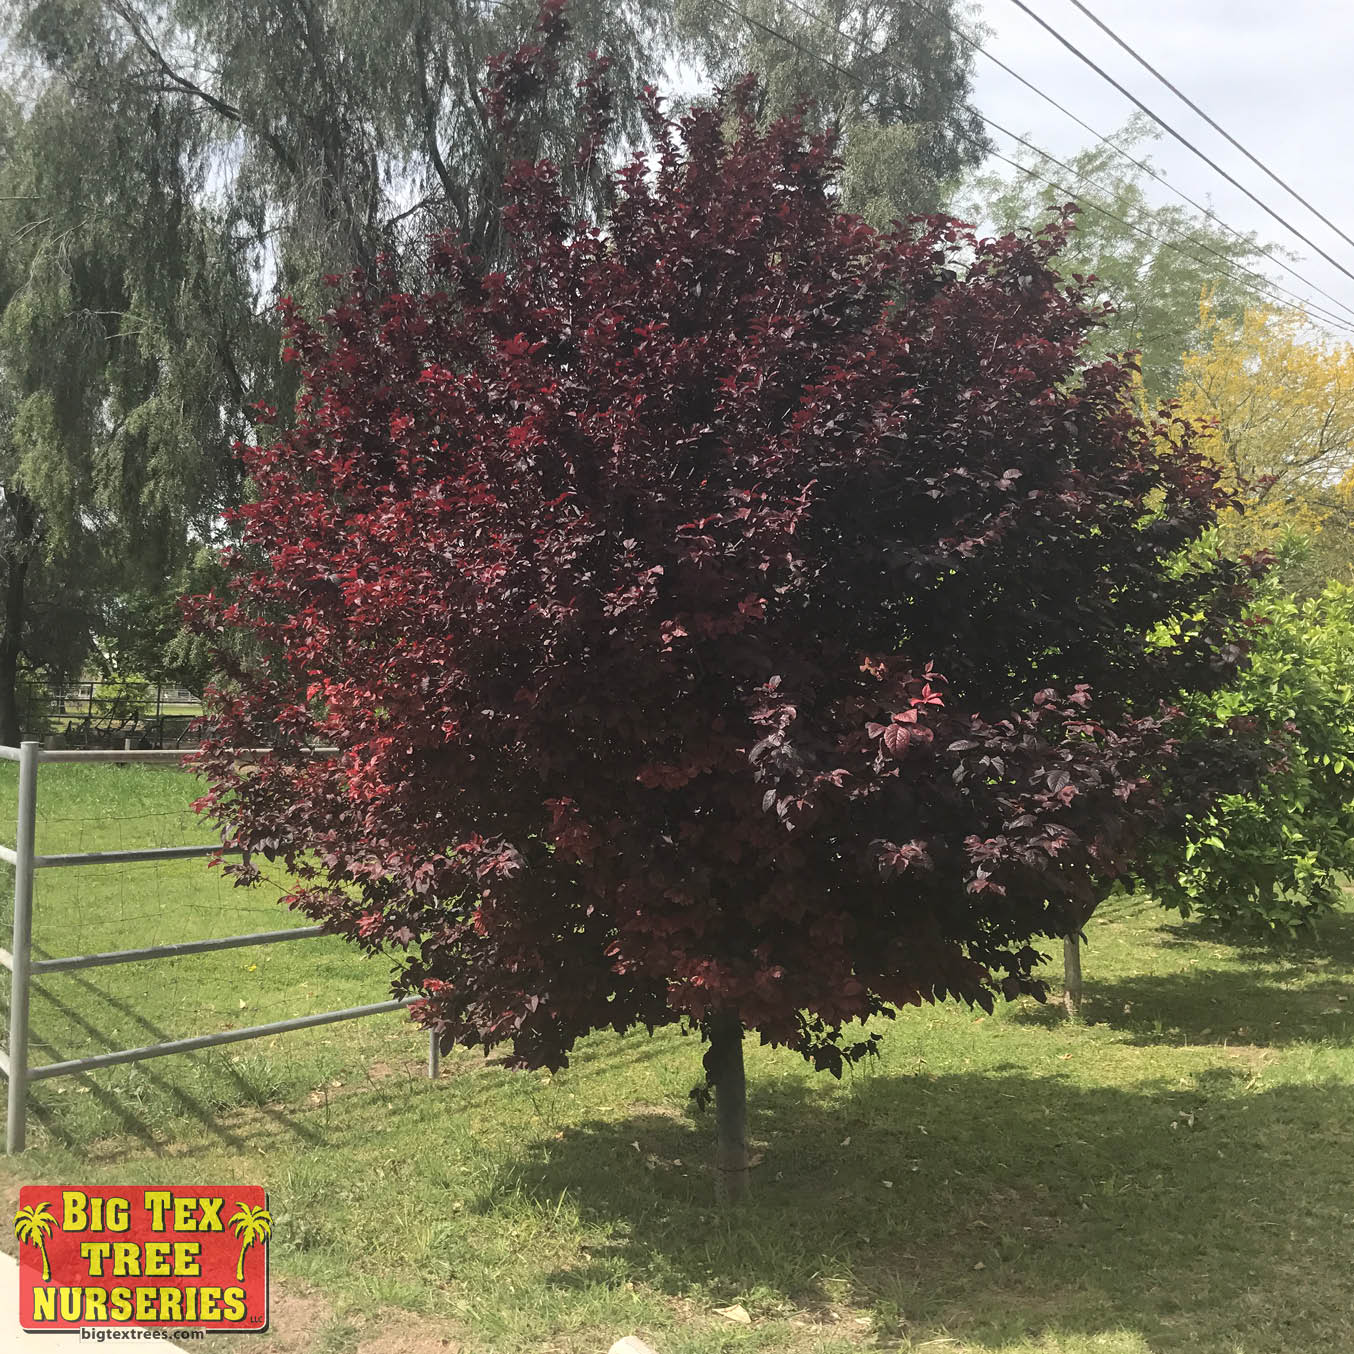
894 76
128 340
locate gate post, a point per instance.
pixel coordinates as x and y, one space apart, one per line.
21 948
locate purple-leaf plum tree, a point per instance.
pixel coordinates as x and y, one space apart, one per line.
731 616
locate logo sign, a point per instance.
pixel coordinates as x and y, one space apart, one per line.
194 1256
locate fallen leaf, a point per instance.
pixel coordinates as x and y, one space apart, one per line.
888 1184
980 1265
846 1141
737 1313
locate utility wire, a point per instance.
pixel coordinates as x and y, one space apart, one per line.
1145 166
1267 287
1180 137
1222 131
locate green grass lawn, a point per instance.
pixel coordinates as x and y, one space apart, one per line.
82 911
1175 1172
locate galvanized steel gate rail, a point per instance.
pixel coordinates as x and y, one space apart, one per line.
23 967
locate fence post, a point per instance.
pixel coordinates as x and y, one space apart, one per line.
434 1054
21 948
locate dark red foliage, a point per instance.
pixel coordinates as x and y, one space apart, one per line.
734 609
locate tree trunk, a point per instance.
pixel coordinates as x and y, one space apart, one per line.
1072 974
725 1070
11 629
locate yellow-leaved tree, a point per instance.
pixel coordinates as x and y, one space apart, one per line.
1280 398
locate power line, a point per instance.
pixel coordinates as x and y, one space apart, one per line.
1222 131
1147 169
1180 136
1267 287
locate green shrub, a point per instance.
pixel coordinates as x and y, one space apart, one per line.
1274 859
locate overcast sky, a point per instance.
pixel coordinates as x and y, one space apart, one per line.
1278 76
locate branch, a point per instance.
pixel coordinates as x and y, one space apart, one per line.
417 207
428 102
183 85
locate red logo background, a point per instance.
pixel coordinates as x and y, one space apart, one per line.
218 1259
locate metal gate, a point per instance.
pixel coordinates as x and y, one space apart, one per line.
18 959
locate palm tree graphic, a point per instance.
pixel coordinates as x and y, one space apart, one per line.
32 1226
251 1223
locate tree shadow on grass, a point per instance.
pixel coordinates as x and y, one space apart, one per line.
1331 942
1272 994
1222 1007
990 1208
140 1122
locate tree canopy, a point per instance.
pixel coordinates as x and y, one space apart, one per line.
124 322
1276 400
1271 851
733 616
893 76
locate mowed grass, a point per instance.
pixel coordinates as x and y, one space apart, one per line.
1174 1172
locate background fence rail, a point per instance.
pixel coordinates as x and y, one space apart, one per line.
97 713
14 1065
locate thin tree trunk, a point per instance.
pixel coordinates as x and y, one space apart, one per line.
11 630
1072 974
725 1064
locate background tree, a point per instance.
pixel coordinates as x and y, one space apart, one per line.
1278 402
1153 288
124 322
336 128
735 617
895 77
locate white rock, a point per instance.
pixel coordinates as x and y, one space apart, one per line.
631 1344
